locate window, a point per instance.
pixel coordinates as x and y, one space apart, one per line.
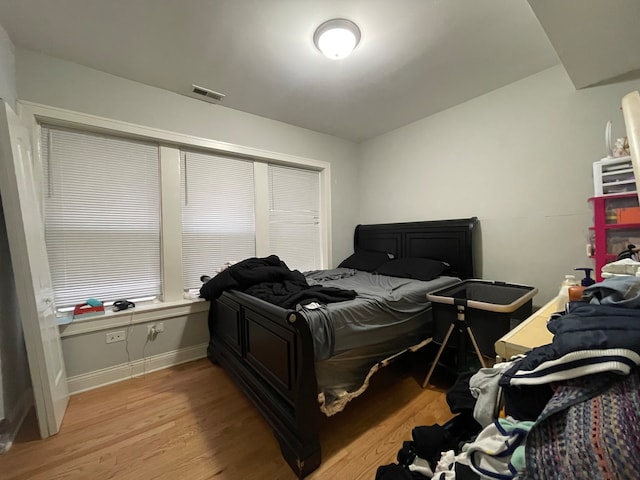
130 219
218 213
102 216
294 217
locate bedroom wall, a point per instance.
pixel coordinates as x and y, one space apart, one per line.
7 69
520 158
55 82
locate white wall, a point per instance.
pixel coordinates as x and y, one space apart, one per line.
7 69
520 158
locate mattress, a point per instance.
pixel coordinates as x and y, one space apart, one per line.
354 338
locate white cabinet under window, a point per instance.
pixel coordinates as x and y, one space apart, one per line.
218 213
102 216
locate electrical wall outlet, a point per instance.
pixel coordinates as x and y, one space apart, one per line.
117 336
154 329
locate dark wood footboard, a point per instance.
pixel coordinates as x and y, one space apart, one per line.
268 351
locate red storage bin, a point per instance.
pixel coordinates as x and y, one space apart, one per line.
628 215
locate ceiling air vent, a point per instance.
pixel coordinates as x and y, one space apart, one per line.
210 94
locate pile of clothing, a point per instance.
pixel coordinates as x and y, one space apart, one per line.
571 409
271 280
474 444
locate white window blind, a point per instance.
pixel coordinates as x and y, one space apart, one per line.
102 216
218 213
294 217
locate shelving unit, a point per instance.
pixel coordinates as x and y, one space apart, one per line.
613 175
616 223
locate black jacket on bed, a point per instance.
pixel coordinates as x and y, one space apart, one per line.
271 280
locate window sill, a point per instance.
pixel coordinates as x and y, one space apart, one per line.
144 313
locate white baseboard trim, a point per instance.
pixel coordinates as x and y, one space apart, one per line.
125 371
10 426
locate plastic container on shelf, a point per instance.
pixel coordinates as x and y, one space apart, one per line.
563 295
613 175
628 215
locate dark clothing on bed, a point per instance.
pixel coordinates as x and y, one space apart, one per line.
271 280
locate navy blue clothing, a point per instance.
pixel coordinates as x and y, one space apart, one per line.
590 336
587 327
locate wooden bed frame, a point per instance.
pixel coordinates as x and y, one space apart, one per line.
268 351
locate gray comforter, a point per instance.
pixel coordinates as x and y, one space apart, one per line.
386 308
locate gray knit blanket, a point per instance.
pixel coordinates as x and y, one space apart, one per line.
590 429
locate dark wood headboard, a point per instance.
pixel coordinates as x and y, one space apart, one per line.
449 240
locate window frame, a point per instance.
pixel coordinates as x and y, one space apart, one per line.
170 144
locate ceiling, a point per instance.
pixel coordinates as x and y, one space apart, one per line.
597 41
415 58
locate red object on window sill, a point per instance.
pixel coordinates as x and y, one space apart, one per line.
84 309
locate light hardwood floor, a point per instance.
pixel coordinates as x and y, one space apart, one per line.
191 422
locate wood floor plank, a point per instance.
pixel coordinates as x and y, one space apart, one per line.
191 421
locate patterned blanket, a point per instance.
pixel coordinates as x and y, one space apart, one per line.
589 429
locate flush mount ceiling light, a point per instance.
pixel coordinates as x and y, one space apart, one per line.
337 38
